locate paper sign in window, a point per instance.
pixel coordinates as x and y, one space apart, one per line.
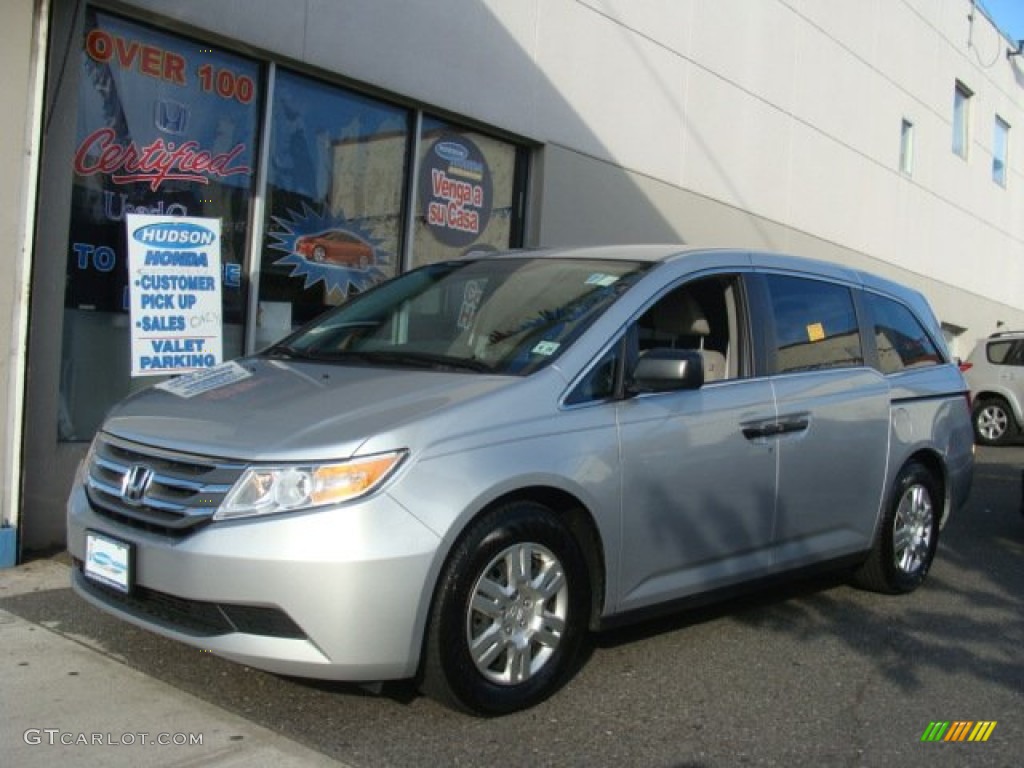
815 332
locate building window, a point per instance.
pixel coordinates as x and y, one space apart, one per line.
335 184
1000 143
165 127
171 127
466 193
907 147
961 118
343 212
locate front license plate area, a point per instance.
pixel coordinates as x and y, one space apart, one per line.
108 561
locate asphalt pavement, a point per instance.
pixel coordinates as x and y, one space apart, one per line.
813 673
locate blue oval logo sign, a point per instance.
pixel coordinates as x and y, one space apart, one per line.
449 150
173 234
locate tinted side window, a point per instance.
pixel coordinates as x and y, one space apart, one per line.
999 351
901 339
815 325
1016 357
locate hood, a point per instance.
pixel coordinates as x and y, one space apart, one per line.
293 411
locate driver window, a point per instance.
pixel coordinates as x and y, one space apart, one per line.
699 315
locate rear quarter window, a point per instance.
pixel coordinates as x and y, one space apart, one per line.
998 352
900 338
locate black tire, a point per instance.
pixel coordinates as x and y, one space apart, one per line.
542 606
319 254
993 421
908 536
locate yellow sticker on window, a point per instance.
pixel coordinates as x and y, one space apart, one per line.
815 332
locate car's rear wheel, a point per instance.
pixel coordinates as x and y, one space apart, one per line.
509 612
993 421
906 541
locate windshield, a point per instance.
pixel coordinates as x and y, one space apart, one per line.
501 315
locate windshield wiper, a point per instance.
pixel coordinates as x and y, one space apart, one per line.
429 360
386 356
416 359
285 352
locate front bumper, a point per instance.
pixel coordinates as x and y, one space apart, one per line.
340 593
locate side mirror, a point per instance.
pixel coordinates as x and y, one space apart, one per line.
667 370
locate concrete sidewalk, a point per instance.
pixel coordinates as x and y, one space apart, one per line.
64 702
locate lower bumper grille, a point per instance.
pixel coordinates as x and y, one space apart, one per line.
194 617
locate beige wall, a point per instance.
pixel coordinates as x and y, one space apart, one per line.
18 157
787 112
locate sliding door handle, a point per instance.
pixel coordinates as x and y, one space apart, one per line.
766 429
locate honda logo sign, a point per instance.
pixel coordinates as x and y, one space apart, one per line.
135 483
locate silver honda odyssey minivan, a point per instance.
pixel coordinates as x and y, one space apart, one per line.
457 475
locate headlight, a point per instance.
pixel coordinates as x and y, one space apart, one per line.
267 490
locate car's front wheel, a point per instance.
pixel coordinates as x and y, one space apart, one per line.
509 612
993 421
906 541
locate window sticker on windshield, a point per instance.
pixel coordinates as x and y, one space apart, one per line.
470 302
546 348
815 332
599 278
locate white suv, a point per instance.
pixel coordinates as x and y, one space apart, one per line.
995 373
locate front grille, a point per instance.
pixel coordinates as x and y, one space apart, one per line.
156 490
194 617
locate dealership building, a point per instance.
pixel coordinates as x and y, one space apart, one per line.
331 144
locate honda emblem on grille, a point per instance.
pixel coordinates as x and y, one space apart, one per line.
136 483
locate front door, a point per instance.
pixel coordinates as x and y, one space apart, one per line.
698 469
698 490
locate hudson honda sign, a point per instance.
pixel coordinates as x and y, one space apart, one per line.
175 294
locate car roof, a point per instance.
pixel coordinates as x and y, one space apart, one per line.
655 253
641 252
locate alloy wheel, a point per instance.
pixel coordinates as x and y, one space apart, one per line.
517 615
992 422
912 529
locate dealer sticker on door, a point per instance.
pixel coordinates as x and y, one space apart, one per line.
108 561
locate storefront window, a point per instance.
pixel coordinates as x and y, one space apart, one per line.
466 191
168 126
334 200
165 126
